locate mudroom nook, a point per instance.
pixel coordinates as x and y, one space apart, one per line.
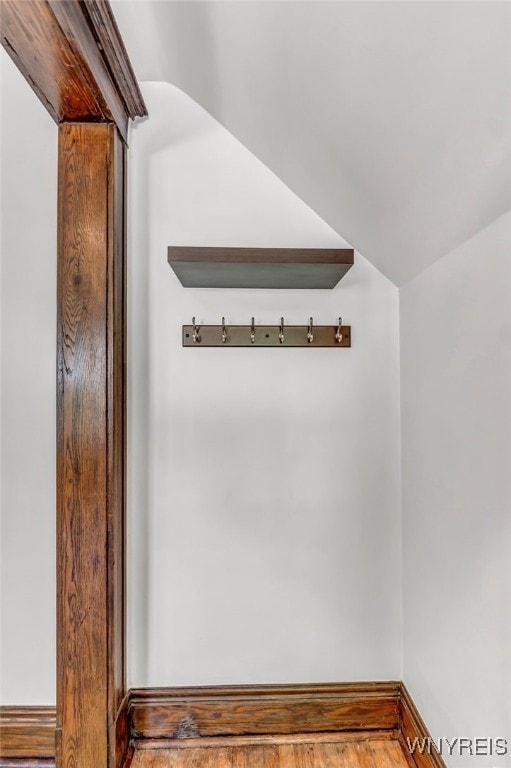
255 384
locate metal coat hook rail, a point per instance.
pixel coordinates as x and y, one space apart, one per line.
280 335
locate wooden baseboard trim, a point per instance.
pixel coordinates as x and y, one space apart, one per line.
27 732
155 717
339 737
121 729
27 736
412 727
175 713
129 757
26 762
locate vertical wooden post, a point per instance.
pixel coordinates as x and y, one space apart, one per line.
91 716
73 57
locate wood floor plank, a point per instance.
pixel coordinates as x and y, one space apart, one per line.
219 757
195 758
244 741
394 753
334 756
365 756
296 755
315 752
255 757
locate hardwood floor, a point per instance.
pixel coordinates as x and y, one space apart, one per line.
361 750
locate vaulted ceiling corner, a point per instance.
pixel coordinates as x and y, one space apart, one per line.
390 119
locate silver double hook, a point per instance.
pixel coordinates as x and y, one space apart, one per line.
310 335
281 331
224 331
338 335
252 332
195 334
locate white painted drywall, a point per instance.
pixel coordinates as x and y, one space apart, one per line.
390 119
456 460
28 328
264 485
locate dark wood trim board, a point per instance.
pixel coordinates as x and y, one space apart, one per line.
271 739
73 57
90 446
55 46
27 762
209 714
412 727
27 732
157 717
251 710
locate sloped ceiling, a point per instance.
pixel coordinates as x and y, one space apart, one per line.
392 120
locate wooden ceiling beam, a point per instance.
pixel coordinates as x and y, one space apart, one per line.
73 57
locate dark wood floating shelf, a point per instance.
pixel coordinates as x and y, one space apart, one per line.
198 267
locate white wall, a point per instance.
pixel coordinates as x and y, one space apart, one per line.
391 119
28 327
264 507
456 459
264 484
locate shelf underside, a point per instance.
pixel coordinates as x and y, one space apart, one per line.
296 268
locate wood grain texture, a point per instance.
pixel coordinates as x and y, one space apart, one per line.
90 446
27 762
27 732
54 45
72 55
412 727
128 763
234 711
178 253
102 20
244 741
119 735
304 753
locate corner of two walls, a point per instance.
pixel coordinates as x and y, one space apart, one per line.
455 357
